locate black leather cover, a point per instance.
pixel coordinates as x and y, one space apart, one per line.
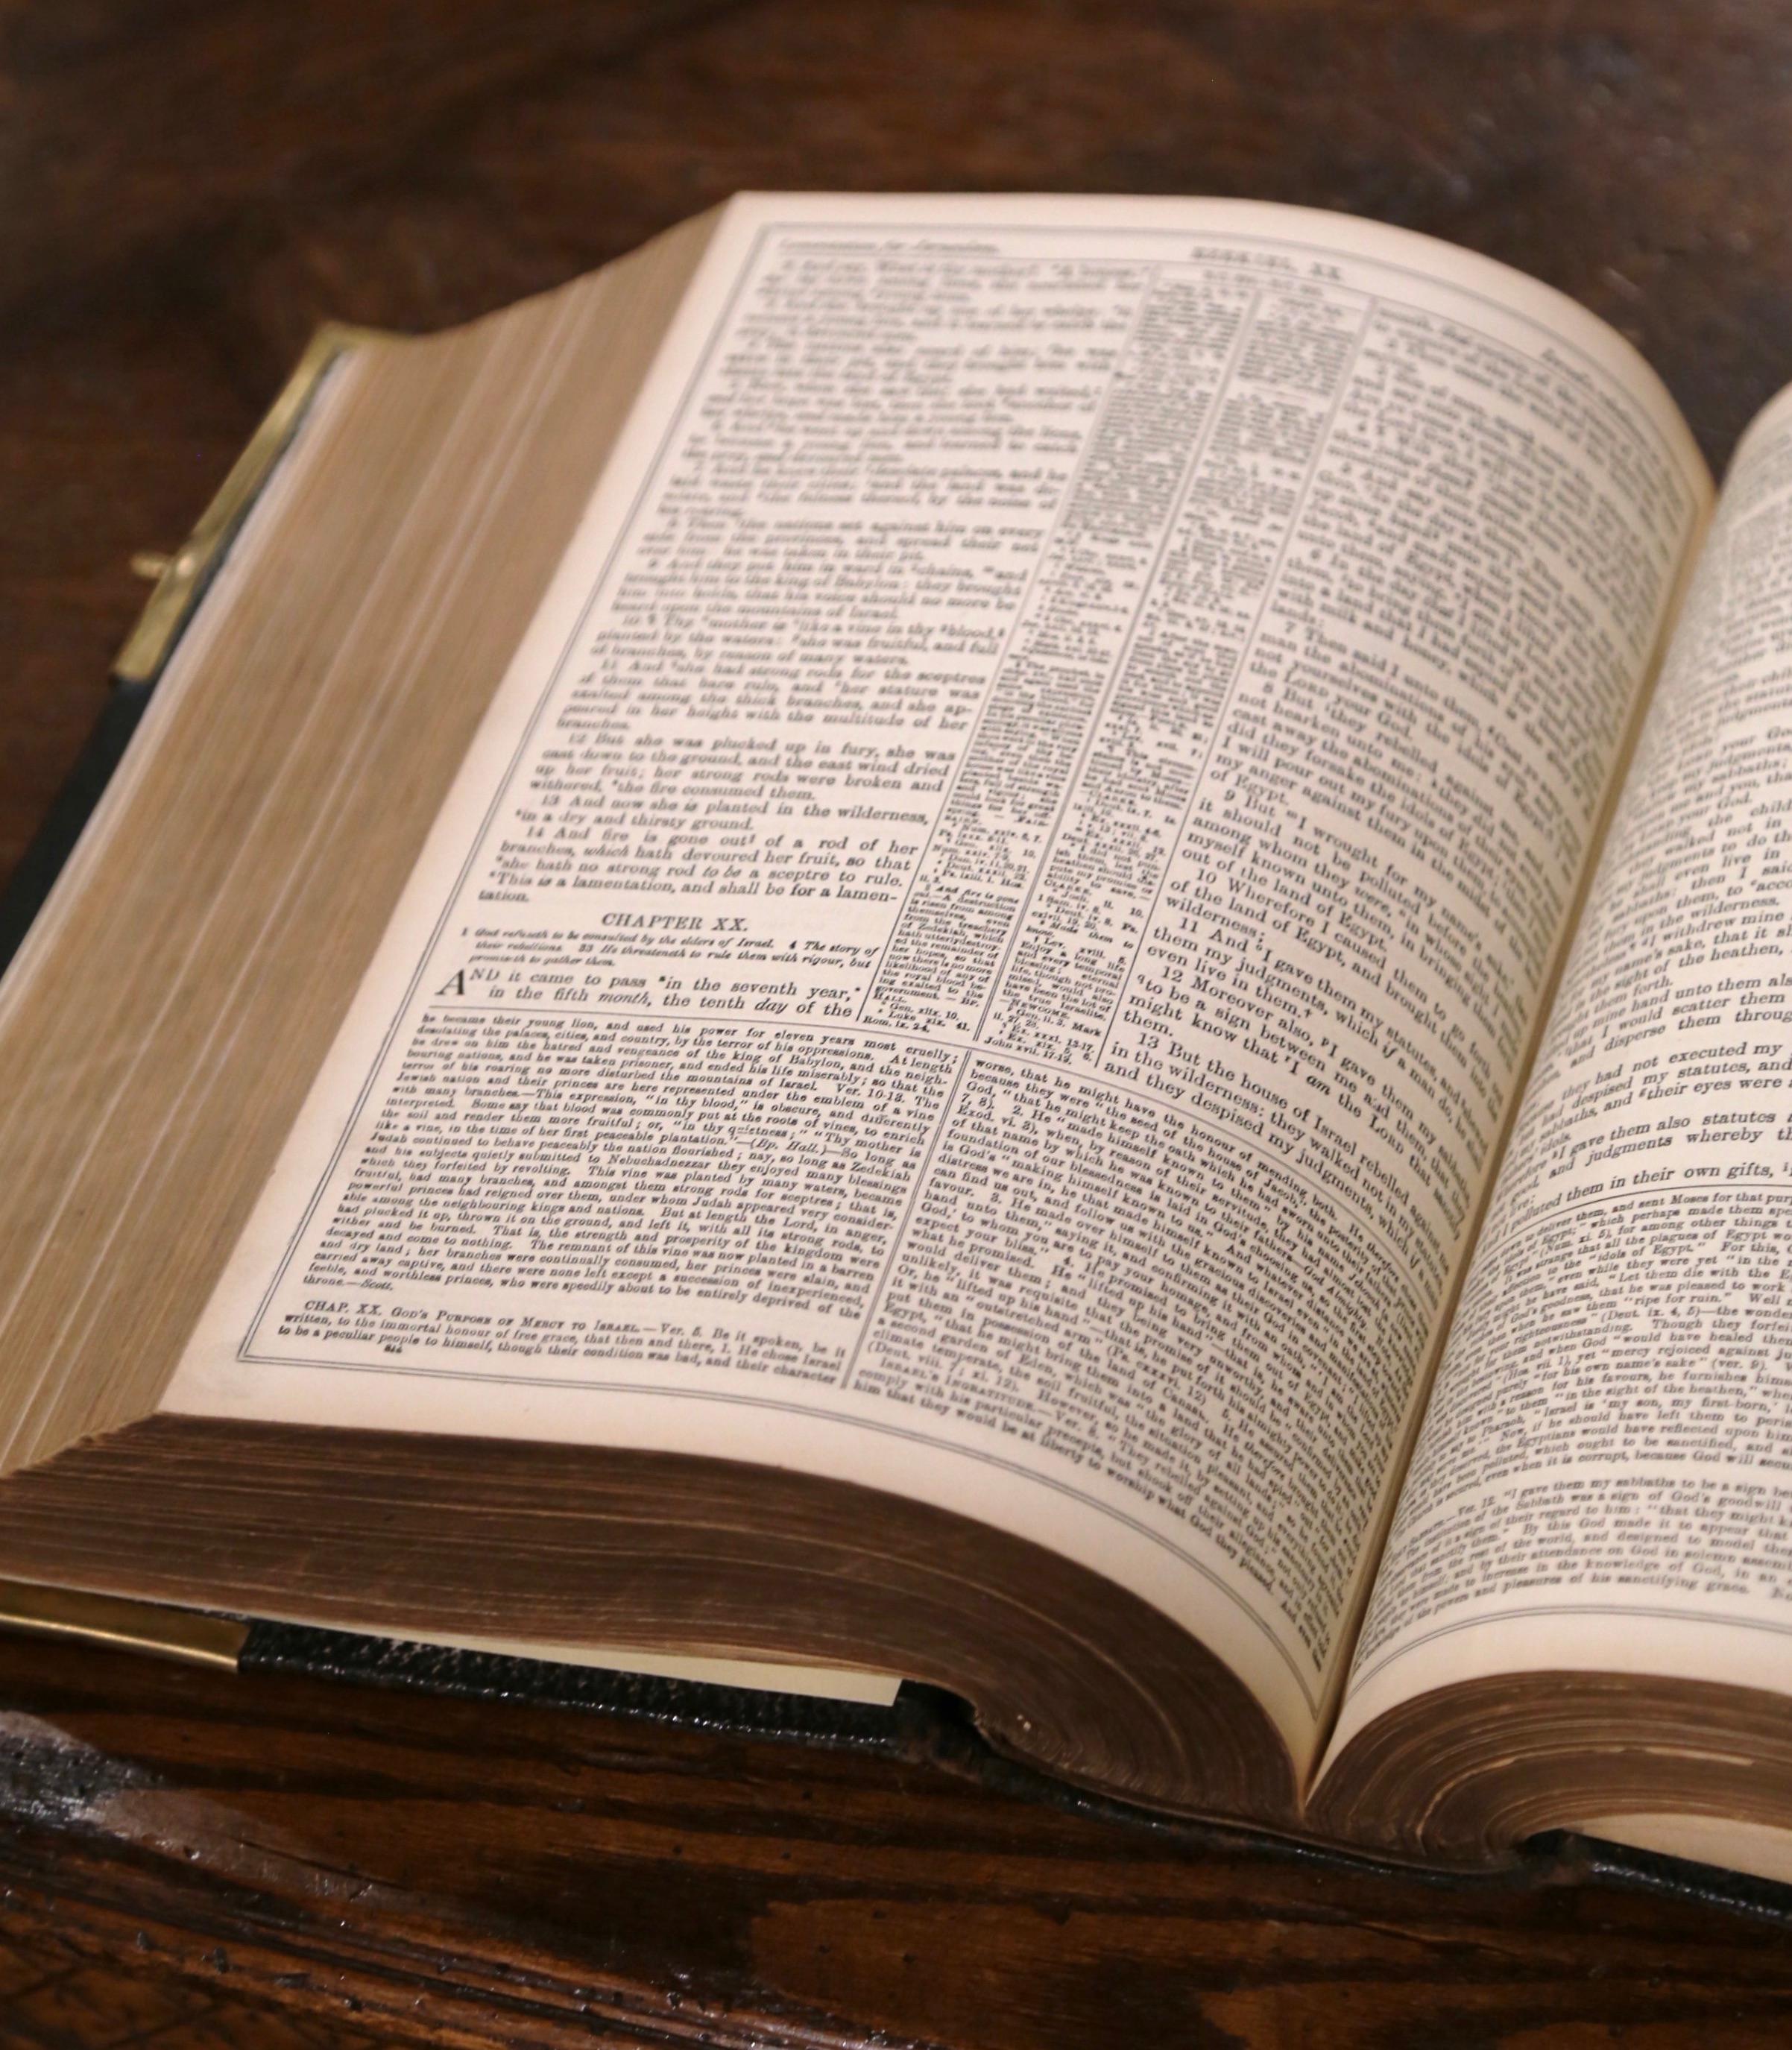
541 1683
30 884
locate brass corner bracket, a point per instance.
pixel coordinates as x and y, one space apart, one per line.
181 578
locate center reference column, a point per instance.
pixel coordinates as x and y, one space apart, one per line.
1097 571
1045 1288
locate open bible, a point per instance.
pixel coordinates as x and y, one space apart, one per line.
1045 944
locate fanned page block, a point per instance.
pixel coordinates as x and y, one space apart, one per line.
846 949
911 965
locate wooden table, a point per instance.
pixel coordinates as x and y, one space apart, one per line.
191 1859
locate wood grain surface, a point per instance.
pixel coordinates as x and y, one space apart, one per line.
187 1859
195 1858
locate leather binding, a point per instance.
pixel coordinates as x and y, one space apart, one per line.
923 1725
54 840
542 1683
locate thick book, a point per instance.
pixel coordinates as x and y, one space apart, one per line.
1042 945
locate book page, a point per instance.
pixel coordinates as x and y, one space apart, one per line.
1604 1477
984 946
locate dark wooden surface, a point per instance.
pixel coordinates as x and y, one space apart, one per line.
193 1860
197 1859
